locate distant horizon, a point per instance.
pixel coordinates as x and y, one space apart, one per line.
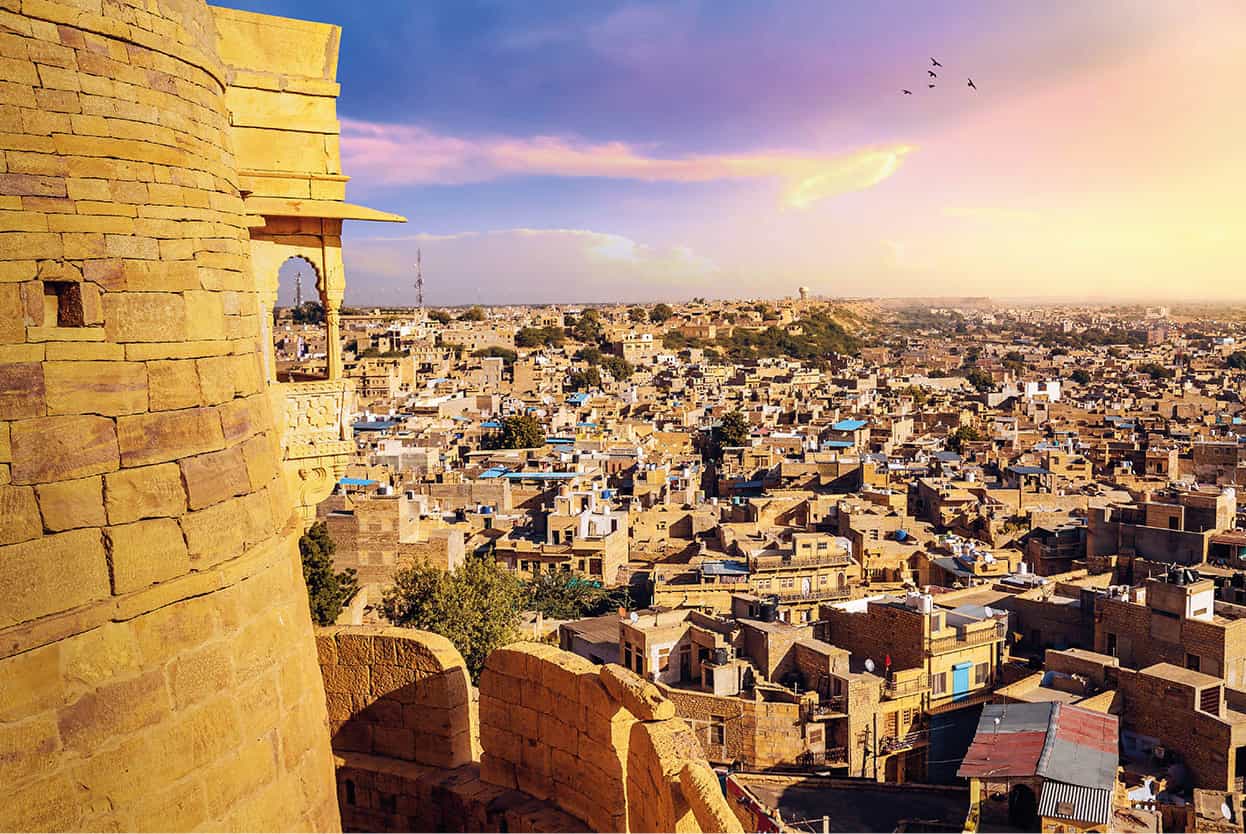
1033 301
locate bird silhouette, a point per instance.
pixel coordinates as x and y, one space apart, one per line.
932 73
936 63
907 92
971 84
929 85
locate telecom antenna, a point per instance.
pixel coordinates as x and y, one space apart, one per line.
419 279
298 289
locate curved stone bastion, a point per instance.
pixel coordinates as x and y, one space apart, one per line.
555 744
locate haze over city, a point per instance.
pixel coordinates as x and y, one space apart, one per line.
648 151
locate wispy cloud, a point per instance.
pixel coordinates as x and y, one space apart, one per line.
520 264
390 154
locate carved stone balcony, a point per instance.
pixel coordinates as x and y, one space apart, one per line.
316 438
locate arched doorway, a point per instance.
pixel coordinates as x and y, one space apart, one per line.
1022 808
299 332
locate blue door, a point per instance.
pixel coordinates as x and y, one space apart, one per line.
960 680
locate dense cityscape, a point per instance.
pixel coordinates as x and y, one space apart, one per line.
571 509
829 532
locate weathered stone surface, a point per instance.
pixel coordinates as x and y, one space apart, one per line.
173 384
19 515
146 552
62 448
144 316
108 388
70 504
145 492
51 574
21 390
215 476
162 436
637 695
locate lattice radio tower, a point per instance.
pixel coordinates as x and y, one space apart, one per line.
419 279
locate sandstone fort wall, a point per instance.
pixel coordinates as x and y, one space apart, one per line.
157 668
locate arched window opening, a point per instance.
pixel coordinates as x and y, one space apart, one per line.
299 330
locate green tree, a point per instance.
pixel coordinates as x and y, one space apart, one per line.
562 596
980 380
473 313
327 591
521 431
1081 376
508 355
309 312
1236 360
582 380
618 367
589 327
440 316
638 314
734 429
660 313
964 434
1156 371
476 606
537 336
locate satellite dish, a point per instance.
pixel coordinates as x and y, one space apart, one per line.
1225 811
869 665
634 617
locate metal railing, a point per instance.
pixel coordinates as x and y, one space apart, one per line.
899 689
967 638
784 561
889 744
814 596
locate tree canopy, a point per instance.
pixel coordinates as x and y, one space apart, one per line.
540 336
474 313
980 379
1236 360
327 591
521 431
638 314
561 596
660 313
476 606
964 434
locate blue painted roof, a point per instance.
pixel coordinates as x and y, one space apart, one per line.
848 425
374 425
559 440
491 424
578 398
837 444
494 472
541 476
1029 470
356 482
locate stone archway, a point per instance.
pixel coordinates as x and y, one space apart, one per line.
298 322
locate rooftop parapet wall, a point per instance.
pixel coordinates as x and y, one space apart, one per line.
563 745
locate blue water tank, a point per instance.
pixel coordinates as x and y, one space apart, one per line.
901 535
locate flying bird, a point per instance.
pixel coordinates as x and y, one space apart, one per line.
971 84
936 63
929 85
932 73
907 92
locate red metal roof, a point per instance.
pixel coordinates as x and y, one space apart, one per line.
1003 754
1087 729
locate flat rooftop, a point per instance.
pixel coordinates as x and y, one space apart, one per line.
860 804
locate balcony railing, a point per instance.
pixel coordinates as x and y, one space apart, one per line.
977 637
814 596
834 756
890 744
900 689
785 561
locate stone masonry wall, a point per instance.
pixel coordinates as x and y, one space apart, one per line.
567 746
157 668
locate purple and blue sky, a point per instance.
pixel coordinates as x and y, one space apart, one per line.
624 150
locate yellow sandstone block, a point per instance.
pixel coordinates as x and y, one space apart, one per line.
173 384
168 435
52 574
146 492
67 505
146 552
108 388
19 515
60 448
